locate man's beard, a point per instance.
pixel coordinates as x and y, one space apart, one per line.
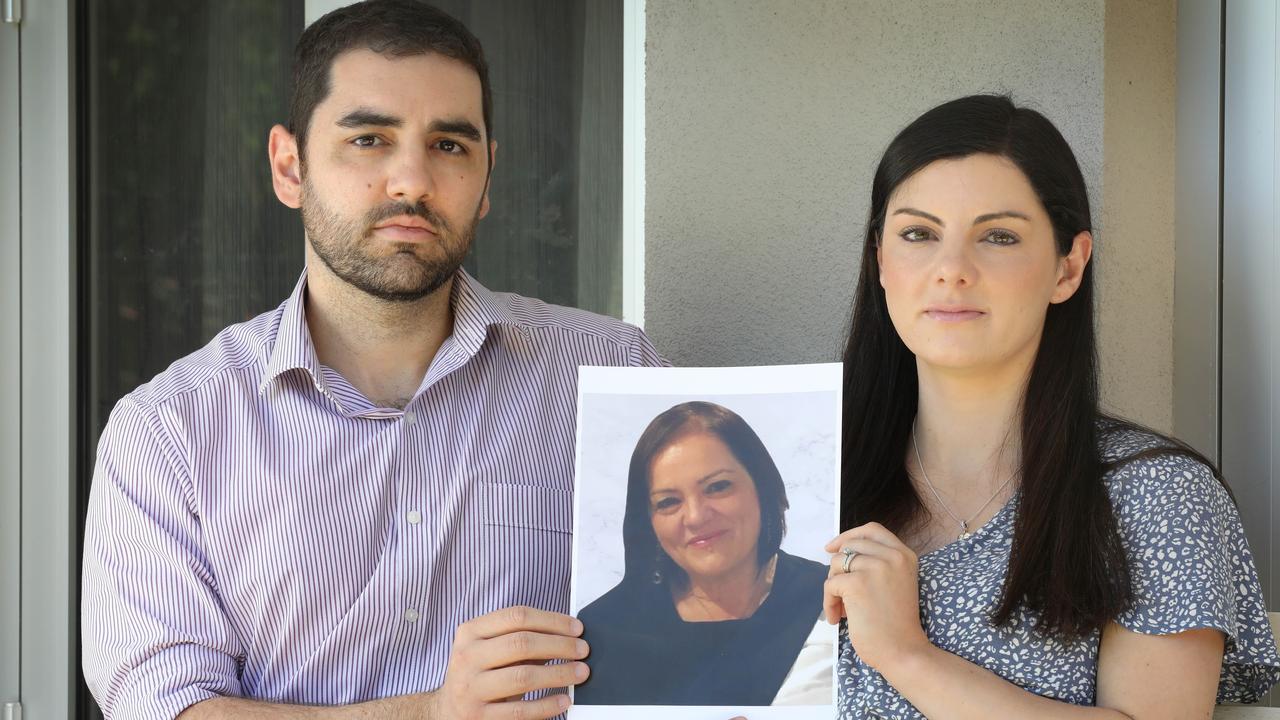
403 276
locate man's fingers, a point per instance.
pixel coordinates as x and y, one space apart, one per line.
524 646
540 709
514 619
505 682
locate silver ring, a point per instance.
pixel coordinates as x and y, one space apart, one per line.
849 554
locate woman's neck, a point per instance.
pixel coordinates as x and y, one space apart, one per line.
967 429
733 596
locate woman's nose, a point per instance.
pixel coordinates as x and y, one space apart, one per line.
696 512
954 264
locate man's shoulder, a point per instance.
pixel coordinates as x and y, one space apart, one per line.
235 350
568 328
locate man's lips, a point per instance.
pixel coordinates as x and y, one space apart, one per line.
706 539
407 233
406 227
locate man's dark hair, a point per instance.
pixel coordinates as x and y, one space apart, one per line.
394 28
643 555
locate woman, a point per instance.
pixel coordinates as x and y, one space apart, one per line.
709 610
1013 552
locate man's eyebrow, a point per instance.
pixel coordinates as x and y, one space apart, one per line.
365 117
919 213
1000 215
465 128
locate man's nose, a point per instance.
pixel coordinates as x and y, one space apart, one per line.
411 178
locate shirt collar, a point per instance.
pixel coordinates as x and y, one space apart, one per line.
475 310
292 349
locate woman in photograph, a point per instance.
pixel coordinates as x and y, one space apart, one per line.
709 610
1011 551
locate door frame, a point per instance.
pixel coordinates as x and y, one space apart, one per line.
49 575
10 366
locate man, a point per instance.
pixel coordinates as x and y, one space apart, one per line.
361 500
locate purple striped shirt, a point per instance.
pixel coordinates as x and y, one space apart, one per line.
258 528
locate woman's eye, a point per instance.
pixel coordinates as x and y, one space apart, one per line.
666 504
916 234
1001 237
719 486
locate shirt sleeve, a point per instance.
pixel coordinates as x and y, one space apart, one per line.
642 353
156 639
1192 568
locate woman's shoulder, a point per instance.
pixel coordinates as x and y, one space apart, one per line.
618 603
802 570
1148 472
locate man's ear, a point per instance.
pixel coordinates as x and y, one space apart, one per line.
286 166
493 158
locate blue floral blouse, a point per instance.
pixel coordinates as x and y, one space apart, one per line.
1191 568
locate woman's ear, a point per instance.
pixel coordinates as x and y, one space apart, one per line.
1071 267
880 260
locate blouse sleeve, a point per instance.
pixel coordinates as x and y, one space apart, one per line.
1192 568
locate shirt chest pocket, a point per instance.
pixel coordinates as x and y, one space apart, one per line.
530 507
526 540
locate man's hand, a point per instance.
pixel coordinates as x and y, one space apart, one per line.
499 657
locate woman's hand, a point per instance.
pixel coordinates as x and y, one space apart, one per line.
879 595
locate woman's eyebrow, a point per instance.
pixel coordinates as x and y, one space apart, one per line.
711 475
920 213
999 216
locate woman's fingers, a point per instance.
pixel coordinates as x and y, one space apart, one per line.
842 561
874 532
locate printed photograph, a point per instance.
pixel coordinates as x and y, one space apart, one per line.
704 497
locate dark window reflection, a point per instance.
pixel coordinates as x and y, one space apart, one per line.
181 234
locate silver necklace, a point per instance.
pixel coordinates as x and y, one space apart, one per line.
965 534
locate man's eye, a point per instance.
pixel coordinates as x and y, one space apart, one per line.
1001 237
916 234
366 141
451 147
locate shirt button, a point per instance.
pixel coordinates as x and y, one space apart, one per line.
411 615
415 517
409 417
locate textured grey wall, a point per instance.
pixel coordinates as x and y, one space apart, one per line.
764 124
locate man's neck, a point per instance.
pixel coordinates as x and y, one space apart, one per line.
382 348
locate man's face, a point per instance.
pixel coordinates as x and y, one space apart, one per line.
395 174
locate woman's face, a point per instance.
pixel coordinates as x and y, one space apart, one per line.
969 265
704 507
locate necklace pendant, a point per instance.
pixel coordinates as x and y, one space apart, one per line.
964 531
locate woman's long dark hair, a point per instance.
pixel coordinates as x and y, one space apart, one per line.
1067 564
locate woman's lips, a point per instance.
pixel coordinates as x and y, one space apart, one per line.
706 539
953 315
